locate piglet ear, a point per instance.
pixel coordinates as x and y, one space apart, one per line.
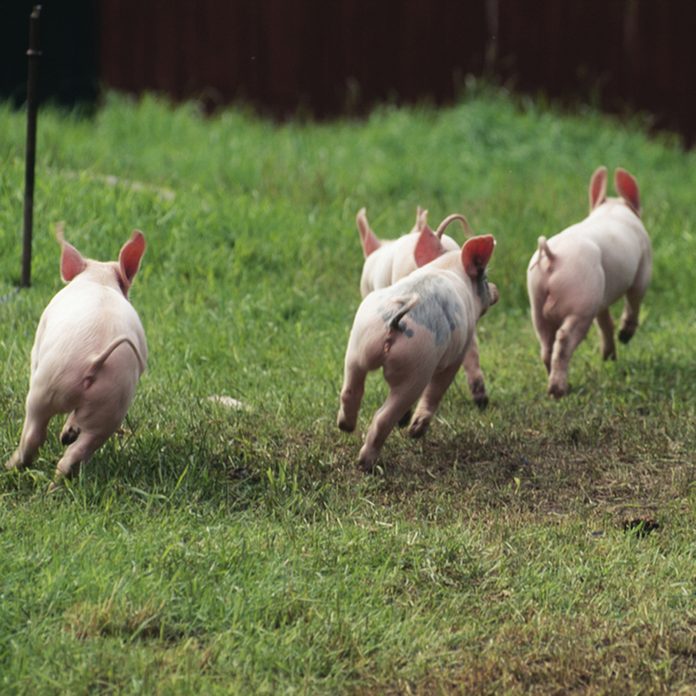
598 187
421 219
129 257
428 247
476 254
627 187
368 239
71 261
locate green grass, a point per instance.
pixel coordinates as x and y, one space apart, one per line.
223 551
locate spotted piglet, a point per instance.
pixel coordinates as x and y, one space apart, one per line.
418 330
387 261
88 355
575 276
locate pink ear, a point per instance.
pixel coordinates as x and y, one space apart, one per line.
598 187
428 247
627 187
129 257
476 254
71 262
368 238
421 219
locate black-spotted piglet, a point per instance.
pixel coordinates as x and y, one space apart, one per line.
418 330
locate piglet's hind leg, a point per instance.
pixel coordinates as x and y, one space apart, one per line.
431 400
351 396
77 453
400 399
33 434
634 297
572 331
606 328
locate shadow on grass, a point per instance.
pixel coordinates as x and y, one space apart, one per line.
605 452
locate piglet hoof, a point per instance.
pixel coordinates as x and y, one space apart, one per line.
405 419
14 462
367 461
343 423
419 426
69 435
557 391
609 352
478 392
625 335
628 328
61 475
366 468
481 401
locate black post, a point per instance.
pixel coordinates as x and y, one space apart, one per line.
30 158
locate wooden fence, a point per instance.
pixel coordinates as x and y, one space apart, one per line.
328 57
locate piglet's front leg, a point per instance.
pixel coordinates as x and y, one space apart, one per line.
474 375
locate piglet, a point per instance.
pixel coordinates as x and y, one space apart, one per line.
418 330
88 355
387 261
576 275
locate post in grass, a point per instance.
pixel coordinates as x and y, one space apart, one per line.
30 157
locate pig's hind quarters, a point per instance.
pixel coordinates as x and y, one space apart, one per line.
86 429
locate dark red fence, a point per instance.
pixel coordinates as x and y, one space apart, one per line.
328 57
623 54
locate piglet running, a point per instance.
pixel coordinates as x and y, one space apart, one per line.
88 355
574 277
388 261
418 330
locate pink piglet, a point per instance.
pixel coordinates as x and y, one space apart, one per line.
88 355
575 276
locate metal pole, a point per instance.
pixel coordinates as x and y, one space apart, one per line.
30 157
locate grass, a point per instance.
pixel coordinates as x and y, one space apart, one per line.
216 550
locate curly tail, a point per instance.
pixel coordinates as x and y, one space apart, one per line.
409 304
468 232
99 361
544 248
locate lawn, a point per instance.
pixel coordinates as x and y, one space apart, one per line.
217 550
